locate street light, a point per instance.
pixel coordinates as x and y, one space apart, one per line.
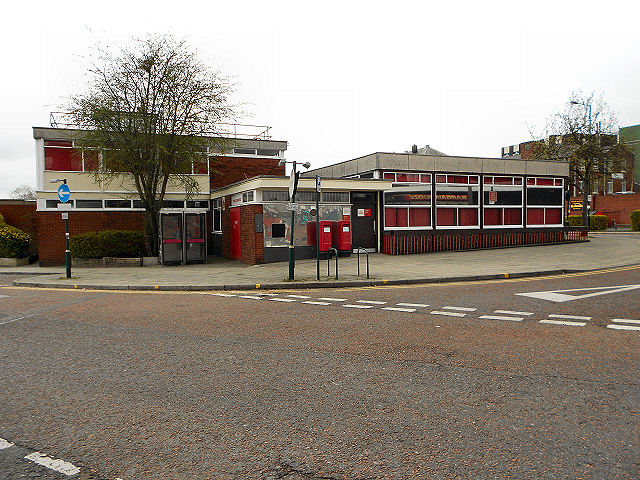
292 192
67 252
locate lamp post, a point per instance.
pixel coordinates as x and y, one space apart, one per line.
293 186
63 195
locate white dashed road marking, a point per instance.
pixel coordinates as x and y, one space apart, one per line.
449 314
634 324
460 309
568 317
224 294
282 299
372 302
500 317
509 312
328 299
59 466
309 302
250 297
417 305
305 297
357 306
396 309
4 444
560 322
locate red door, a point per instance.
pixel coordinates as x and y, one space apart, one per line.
234 214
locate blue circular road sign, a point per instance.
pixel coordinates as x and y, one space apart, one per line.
64 193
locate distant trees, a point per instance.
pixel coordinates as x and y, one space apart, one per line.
585 134
147 111
24 192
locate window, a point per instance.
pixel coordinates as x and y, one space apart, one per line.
457 201
173 204
306 197
545 201
247 197
335 197
502 201
408 207
117 203
88 203
275 196
217 215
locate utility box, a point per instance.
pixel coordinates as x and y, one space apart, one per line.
342 237
325 237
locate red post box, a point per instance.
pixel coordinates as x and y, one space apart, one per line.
325 238
343 236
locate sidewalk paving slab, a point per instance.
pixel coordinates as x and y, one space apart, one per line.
603 250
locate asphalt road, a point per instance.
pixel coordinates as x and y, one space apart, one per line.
467 380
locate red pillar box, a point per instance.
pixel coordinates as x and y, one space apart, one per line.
325 238
342 237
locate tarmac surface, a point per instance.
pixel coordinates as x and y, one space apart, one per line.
603 250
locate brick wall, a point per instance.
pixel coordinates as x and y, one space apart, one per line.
52 243
617 207
22 214
252 252
227 170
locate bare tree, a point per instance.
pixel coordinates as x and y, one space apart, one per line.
585 135
151 111
24 192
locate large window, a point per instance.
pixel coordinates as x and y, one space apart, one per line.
545 201
408 207
62 156
502 201
457 201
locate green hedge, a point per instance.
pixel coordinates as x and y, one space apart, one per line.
107 243
14 243
596 222
635 220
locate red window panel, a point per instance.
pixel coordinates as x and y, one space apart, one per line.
468 217
91 162
446 217
396 217
458 179
517 181
512 216
441 179
535 216
488 180
389 176
419 217
58 143
425 178
62 159
503 180
200 167
553 216
531 181
407 177
547 182
558 182
473 180
493 216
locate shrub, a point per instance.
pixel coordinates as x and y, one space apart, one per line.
13 242
107 243
598 222
575 220
635 220
1 219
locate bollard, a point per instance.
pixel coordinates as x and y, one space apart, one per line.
365 251
329 261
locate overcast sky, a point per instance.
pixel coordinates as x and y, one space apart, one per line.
341 79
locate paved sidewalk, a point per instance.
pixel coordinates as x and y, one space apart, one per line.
604 250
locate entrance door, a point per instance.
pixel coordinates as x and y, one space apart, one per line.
234 214
363 220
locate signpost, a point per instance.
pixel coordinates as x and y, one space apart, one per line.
64 193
